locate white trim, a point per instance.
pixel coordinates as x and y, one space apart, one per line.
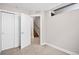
35 15
17 13
61 49
43 44
41 30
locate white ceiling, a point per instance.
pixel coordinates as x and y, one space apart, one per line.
31 6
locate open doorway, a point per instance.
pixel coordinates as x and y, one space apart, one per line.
36 30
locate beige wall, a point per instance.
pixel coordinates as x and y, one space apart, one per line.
63 30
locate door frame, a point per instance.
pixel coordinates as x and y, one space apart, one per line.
41 31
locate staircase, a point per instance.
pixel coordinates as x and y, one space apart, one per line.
36 31
35 34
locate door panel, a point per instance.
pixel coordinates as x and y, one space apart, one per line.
16 30
8 31
26 22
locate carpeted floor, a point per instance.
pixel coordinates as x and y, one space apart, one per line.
34 49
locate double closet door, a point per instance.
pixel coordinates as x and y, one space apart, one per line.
8 31
16 32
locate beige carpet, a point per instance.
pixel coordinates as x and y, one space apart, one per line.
34 49
35 41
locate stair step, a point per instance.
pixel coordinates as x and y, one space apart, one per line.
35 34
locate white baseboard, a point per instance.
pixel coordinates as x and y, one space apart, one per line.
42 43
61 49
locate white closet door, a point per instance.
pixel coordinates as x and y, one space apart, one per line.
16 30
8 26
26 22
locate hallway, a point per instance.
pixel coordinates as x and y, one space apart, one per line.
34 49
35 41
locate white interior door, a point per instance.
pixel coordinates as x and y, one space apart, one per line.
8 31
26 25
